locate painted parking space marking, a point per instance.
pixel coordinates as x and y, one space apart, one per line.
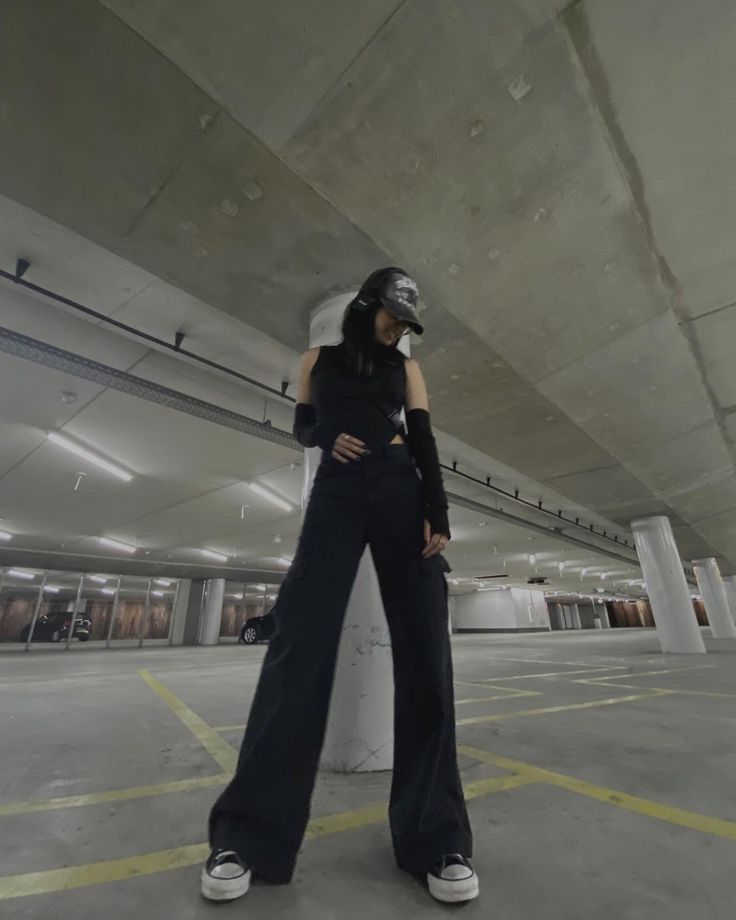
507 693
655 673
499 680
717 827
591 704
223 753
113 795
520 774
116 870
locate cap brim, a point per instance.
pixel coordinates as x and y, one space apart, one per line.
400 312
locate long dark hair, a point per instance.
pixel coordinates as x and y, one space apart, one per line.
362 350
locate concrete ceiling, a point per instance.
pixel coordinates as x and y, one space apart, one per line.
191 476
557 176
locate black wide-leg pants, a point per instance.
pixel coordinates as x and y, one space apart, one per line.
263 813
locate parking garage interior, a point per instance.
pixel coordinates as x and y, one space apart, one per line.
186 191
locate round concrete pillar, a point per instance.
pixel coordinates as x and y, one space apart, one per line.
711 586
209 629
602 612
729 582
359 733
674 615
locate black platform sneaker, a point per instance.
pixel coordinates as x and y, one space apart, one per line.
452 879
225 876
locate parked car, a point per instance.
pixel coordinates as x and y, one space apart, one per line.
258 629
53 627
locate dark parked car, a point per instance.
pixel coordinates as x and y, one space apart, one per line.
53 627
258 629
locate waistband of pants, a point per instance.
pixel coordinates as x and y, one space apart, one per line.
380 454
377 450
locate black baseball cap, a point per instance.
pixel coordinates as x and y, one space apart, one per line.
399 294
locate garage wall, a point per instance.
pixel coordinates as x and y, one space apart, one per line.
505 610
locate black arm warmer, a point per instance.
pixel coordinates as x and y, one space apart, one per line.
423 448
308 431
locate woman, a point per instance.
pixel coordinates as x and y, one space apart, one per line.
365 490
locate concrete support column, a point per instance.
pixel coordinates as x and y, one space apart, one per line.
194 609
209 629
577 622
602 612
179 611
360 730
729 582
711 586
674 615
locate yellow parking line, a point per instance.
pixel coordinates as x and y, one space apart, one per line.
488 699
519 713
669 689
497 784
346 821
115 870
577 663
223 753
510 691
695 667
689 819
99 873
114 795
497 680
372 814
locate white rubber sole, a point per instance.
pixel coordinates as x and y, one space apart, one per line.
224 889
453 890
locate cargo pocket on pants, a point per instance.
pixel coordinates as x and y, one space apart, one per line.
433 569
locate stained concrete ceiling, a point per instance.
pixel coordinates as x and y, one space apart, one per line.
557 176
190 487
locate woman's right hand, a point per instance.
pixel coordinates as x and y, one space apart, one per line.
347 448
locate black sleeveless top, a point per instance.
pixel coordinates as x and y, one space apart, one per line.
353 402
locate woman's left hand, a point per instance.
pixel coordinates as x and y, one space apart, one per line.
433 543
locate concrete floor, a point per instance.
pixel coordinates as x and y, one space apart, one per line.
620 798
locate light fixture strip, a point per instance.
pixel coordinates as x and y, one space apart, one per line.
116 544
274 499
17 573
218 557
80 451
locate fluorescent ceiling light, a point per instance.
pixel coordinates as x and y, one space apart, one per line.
4 535
116 544
163 581
97 578
16 573
216 556
279 502
107 590
285 560
158 593
52 589
87 455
